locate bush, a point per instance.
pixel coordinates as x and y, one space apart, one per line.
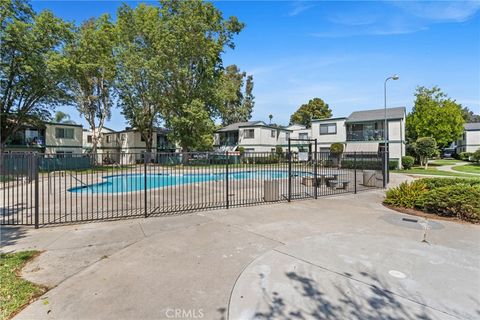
392 164
408 162
405 195
336 148
476 155
460 200
465 156
441 196
425 148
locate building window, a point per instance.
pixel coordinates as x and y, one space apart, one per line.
328 128
89 139
64 133
249 133
303 136
273 133
108 138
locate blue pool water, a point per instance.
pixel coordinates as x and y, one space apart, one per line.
136 182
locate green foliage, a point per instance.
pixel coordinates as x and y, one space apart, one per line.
405 195
442 196
279 151
314 109
336 148
33 69
92 72
426 148
15 292
460 200
465 156
241 150
469 116
235 96
62 117
476 155
408 162
435 115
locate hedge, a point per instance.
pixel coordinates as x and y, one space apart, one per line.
408 162
442 196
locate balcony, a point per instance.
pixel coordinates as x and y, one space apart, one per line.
365 135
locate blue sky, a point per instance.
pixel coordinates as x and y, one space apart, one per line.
339 51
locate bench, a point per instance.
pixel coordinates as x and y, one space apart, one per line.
338 184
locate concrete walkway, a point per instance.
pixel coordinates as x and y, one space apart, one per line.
449 168
337 257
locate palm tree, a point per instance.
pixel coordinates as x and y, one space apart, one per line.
270 116
62 117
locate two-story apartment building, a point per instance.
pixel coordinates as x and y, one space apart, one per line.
470 140
127 146
50 138
253 136
361 131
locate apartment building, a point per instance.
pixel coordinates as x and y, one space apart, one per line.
253 136
49 138
361 131
470 140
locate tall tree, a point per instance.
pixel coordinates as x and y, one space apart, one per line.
141 68
469 116
435 115
314 109
195 37
62 117
32 67
236 99
92 73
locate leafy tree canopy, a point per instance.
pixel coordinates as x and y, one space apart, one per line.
33 68
435 115
235 96
92 72
426 147
469 116
314 109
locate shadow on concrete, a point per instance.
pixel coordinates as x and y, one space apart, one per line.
10 235
345 302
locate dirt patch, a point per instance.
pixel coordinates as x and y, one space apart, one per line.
433 216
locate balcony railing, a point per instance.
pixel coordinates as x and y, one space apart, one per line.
365 135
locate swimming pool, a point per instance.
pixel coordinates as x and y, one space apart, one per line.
136 182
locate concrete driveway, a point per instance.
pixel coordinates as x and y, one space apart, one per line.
343 257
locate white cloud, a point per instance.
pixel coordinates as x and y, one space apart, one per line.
299 7
441 11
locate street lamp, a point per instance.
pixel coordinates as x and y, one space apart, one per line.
385 129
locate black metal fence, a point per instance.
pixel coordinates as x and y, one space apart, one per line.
43 189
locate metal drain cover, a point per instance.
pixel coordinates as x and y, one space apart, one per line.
412 222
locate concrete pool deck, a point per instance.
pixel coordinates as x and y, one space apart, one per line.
344 256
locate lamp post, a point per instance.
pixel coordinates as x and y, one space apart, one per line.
385 129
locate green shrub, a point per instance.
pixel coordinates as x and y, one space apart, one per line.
392 164
408 162
476 155
460 200
433 183
442 196
465 156
336 148
405 195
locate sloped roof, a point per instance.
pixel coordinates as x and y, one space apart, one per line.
377 114
237 125
472 126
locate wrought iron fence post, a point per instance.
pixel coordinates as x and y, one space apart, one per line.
289 171
34 163
145 182
226 181
355 171
315 181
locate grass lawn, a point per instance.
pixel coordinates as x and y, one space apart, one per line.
445 162
471 168
432 172
15 292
